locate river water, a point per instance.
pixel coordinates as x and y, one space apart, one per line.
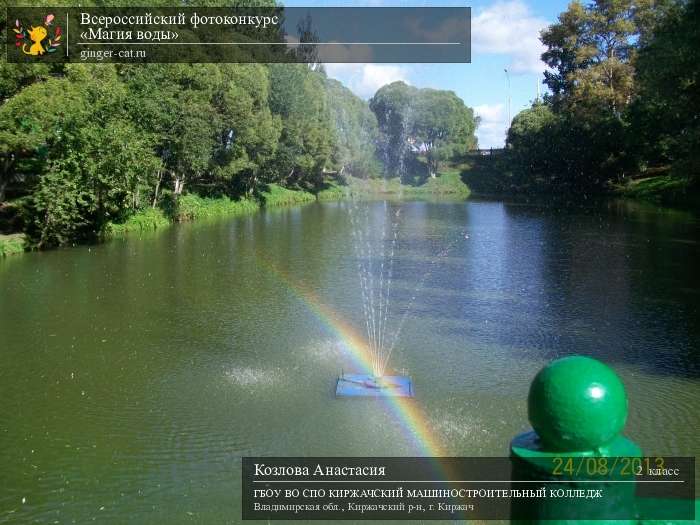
135 374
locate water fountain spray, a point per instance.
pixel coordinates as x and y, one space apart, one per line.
375 230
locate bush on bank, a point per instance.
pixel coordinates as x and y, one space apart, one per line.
12 244
276 195
145 220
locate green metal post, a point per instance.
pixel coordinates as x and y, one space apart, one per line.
577 407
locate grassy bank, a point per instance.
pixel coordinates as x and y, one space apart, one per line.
278 196
12 244
146 220
490 176
192 207
661 189
189 208
448 182
333 191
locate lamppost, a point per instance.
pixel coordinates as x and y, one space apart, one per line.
507 93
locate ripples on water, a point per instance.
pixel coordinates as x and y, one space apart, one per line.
327 352
254 377
135 374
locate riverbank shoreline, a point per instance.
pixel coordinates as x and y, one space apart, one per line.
646 191
489 177
664 190
192 207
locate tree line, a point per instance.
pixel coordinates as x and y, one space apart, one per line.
83 145
86 145
623 99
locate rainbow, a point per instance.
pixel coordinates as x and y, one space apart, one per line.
408 412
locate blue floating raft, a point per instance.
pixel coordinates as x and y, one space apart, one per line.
365 385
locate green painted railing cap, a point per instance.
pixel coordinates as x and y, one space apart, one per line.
577 404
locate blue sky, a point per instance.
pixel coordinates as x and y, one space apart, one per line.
504 35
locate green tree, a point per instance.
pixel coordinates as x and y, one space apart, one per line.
558 151
356 132
173 103
591 51
529 138
32 124
393 107
563 41
81 163
299 96
443 126
249 132
432 124
665 115
94 179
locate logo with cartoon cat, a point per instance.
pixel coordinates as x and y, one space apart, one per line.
37 40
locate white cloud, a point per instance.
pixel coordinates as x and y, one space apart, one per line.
509 28
491 130
365 79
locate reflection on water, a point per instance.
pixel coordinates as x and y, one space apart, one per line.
135 374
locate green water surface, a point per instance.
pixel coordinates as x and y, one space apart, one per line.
135 374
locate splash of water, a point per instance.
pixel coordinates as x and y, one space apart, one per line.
375 265
375 236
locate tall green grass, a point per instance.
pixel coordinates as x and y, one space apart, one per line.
662 189
146 220
333 191
12 244
278 196
448 182
193 207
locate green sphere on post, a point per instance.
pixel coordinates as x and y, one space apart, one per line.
578 408
576 404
